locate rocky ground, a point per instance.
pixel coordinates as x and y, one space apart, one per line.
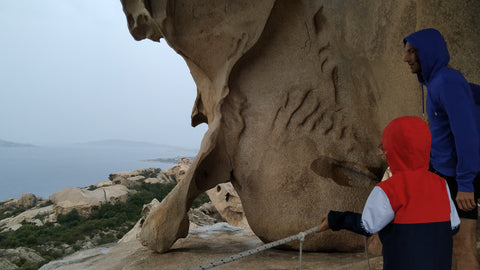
206 244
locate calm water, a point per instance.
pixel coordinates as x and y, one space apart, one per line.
46 170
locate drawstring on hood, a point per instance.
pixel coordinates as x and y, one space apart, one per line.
406 141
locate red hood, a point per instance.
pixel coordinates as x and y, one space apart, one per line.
406 141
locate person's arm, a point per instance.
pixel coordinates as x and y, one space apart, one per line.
458 103
377 213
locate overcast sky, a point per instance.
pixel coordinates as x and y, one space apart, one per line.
71 72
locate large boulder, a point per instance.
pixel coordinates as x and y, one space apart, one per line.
85 200
295 95
132 234
27 200
7 265
133 178
8 205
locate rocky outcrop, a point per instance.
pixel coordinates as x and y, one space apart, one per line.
38 216
132 234
73 261
132 178
180 169
295 94
7 265
18 256
228 204
205 215
85 200
101 184
27 200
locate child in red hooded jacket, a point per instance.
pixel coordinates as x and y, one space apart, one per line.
412 211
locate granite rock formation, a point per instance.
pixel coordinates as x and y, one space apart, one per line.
27 200
295 95
228 204
131 178
180 169
85 200
38 216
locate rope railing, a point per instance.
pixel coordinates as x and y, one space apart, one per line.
300 236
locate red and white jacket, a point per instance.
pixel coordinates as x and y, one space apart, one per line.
412 211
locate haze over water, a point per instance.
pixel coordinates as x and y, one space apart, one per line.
47 169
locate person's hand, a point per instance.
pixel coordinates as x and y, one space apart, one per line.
466 201
324 225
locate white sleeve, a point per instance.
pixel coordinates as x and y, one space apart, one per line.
378 212
454 219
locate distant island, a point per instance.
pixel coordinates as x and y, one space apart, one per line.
4 143
167 160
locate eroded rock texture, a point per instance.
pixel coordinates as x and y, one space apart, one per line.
295 94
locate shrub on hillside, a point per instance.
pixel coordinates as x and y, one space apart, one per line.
107 224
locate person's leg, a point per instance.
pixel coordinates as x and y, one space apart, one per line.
465 255
464 246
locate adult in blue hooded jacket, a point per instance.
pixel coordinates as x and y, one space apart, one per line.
455 150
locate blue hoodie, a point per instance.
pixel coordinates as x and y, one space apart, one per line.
450 108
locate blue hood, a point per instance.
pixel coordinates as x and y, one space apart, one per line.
431 50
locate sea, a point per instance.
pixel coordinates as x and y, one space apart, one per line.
44 170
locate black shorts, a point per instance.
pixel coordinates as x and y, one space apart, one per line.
452 185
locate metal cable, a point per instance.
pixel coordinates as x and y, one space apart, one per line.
300 236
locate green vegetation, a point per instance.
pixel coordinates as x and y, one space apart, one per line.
105 225
151 174
200 200
10 212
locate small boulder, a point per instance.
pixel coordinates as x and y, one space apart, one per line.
27 200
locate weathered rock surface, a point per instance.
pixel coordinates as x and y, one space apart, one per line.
132 234
227 202
180 169
205 215
8 203
84 200
19 254
27 200
13 223
295 94
103 184
207 244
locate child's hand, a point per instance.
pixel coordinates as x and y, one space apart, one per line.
324 225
